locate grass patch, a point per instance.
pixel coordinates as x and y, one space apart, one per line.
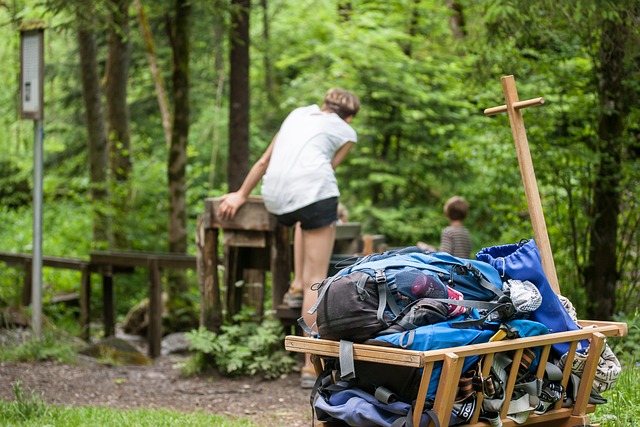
53 345
28 410
621 409
24 407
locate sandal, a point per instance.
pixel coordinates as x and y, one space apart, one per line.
307 377
293 298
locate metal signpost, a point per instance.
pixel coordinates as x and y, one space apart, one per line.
31 107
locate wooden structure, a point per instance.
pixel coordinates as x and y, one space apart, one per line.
107 264
25 261
110 263
253 240
452 359
540 235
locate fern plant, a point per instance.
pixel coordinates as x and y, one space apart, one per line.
242 348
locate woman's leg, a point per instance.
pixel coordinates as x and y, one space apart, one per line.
317 247
293 297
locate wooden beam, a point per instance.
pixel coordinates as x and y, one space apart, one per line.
518 131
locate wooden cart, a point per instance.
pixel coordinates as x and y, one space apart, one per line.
453 360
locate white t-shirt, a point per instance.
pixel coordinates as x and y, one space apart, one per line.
300 171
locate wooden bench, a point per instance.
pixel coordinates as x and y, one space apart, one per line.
109 263
25 261
453 360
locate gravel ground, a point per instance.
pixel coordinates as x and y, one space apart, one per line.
269 403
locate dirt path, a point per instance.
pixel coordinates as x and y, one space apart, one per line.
278 403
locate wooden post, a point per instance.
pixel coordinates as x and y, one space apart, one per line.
232 274
154 328
85 302
108 308
28 279
210 302
281 261
540 235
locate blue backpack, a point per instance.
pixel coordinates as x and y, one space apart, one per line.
404 289
385 397
477 280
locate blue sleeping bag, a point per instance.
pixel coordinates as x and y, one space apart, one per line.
443 335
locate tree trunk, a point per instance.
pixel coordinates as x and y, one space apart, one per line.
119 141
177 163
456 19
407 47
238 163
219 66
345 10
269 81
601 273
161 91
97 143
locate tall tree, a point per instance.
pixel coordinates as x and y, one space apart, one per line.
601 272
219 35
456 19
156 75
269 80
97 143
238 163
117 111
179 33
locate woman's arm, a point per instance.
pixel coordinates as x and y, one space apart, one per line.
231 202
341 154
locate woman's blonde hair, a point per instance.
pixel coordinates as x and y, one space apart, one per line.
342 102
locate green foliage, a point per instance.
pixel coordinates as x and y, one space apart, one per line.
422 134
53 345
24 407
621 409
243 348
628 348
32 412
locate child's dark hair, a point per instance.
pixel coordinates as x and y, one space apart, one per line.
456 208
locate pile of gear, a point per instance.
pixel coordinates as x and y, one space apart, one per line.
420 300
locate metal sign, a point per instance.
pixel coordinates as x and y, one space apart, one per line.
32 72
32 107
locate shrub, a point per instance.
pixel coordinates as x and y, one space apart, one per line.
241 348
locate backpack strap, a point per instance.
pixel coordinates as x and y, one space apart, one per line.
385 298
483 280
407 421
347 364
503 309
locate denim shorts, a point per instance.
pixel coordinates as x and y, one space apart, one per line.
316 215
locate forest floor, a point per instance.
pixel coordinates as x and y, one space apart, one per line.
268 403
